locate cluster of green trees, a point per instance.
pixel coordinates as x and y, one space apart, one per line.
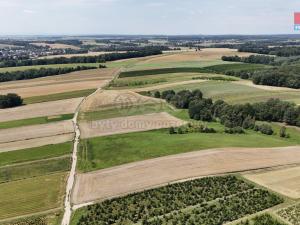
239 115
282 51
264 219
222 210
10 100
81 59
191 128
141 207
277 77
42 72
291 214
257 59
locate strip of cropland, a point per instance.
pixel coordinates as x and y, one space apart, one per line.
96 153
47 109
114 181
77 81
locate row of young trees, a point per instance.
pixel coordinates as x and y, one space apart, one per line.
221 211
42 72
231 116
10 100
291 214
82 59
157 202
258 59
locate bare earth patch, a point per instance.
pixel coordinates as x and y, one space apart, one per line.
40 110
284 181
128 124
36 142
105 99
36 131
80 80
142 175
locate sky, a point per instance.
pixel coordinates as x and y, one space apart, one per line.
172 17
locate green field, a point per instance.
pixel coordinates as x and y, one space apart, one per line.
237 93
31 195
31 154
103 152
139 73
59 96
197 64
34 121
152 80
235 67
219 68
53 218
22 68
34 169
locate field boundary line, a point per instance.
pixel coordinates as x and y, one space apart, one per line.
72 174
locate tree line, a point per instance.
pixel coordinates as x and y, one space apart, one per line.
42 72
10 100
257 59
82 59
281 51
231 116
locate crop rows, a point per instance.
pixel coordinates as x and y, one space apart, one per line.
211 199
291 214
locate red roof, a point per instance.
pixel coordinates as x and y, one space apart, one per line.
297 18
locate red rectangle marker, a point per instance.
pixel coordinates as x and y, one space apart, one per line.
297 18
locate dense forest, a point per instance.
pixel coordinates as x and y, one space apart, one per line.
242 115
42 72
10 100
82 59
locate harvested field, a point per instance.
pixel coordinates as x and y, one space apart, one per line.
55 88
284 181
203 55
128 124
36 142
142 175
40 109
80 80
36 131
105 99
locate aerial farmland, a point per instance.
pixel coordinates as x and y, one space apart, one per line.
148 129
